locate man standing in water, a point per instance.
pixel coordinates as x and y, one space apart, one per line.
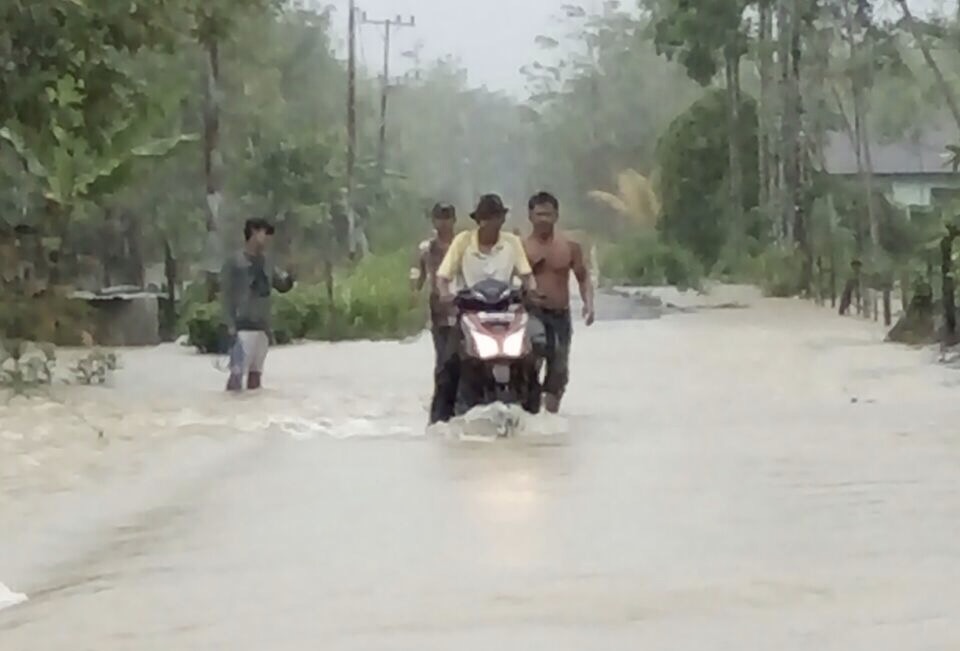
247 281
443 319
553 256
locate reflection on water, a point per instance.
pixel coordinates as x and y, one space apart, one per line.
710 485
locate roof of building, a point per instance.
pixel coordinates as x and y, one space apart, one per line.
924 152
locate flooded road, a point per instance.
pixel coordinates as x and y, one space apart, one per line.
763 478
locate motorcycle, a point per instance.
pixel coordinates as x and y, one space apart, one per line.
498 356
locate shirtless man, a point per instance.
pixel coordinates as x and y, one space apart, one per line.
553 257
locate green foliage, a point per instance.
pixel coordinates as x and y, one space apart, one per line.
694 164
372 301
777 271
697 34
71 105
644 260
51 316
205 328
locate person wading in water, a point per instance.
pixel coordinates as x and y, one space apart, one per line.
248 279
443 317
553 257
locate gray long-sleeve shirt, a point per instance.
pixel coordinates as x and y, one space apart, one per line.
247 282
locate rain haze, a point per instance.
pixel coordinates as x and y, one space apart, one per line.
570 346
493 39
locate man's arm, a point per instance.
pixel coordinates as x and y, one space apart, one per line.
451 265
418 270
522 267
529 283
582 273
228 296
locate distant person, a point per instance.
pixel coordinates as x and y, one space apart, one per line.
553 257
443 318
248 279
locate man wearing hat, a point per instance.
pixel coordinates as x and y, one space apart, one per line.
247 280
485 252
480 254
443 317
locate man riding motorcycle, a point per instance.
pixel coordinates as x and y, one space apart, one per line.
485 253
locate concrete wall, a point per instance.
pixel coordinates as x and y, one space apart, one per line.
127 321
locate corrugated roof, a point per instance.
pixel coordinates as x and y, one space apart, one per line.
922 153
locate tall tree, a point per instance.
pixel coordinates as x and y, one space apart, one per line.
71 103
703 37
945 89
767 158
214 21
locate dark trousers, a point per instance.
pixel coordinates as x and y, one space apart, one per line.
446 373
558 328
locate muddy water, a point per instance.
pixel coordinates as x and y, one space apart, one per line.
764 478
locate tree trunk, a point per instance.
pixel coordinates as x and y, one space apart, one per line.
858 88
948 285
942 84
212 163
788 126
169 317
905 290
765 67
133 234
797 195
833 279
736 169
821 293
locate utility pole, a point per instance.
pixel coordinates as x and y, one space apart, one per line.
351 96
388 26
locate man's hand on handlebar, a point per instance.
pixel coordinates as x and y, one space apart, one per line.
535 297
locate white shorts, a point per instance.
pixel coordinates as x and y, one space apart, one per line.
254 344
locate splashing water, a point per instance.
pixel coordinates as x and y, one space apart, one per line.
487 423
9 598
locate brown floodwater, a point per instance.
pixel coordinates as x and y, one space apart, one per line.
763 478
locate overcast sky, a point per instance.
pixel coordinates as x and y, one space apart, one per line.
493 38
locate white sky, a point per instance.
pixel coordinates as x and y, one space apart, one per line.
492 38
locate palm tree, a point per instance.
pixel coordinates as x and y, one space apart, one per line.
636 200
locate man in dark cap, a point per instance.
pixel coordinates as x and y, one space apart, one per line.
443 318
247 281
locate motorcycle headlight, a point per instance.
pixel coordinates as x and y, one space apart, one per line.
487 347
513 346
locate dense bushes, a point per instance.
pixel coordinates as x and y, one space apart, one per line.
50 317
205 328
372 301
644 260
776 271
694 160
